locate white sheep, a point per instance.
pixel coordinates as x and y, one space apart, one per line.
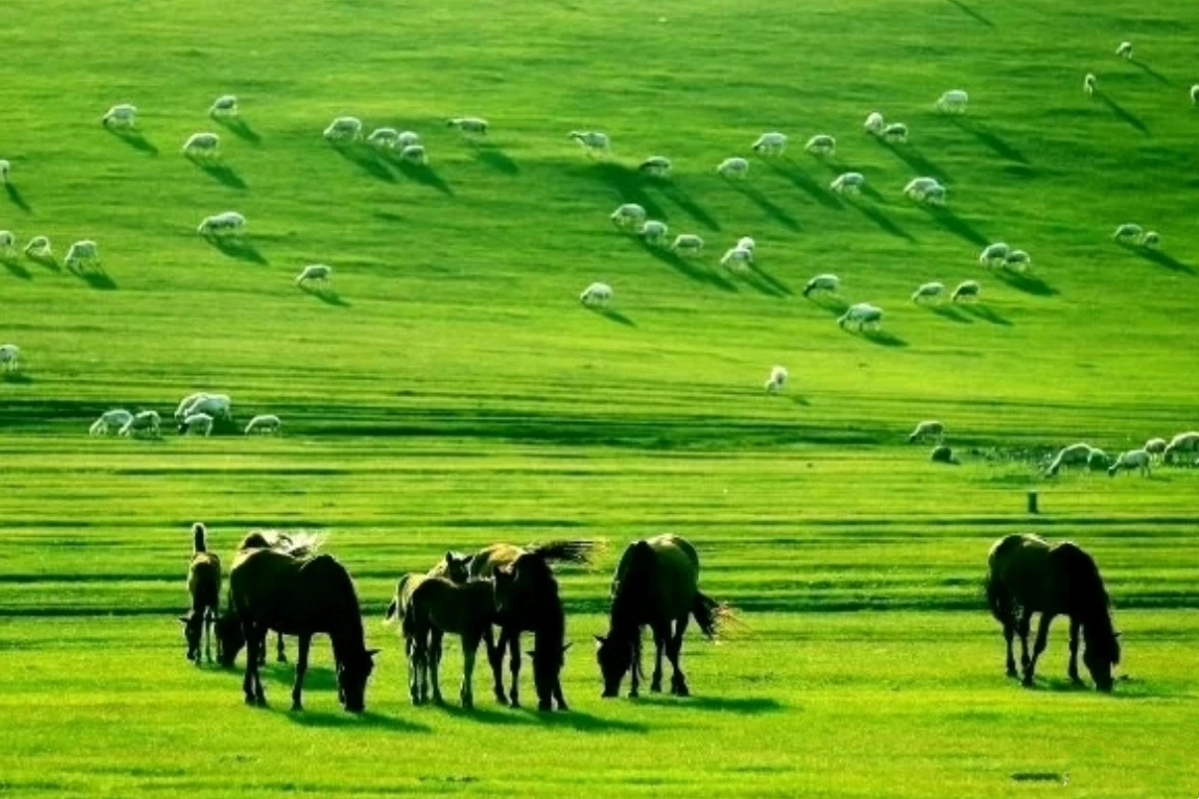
230 222
120 116
1128 232
202 144
929 291
1019 260
747 243
1133 459
848 183
824 282
862 314
7 240
1155 446
1195 94
314 272
1072 455
592 141
344 129
777 379
773 143
147 422
735 167
1183 442
218 406
935 195
875 123
967 290
415 153
927 429
223 106
994 254
85 251
953 101
264 424
653 231
896 132
5 170
1088 84
187 402
1151 240
110 420
658 166
1125 50
822 144
737 259
688 244
198 422
405 138
472 125
597 295
38 247
918 189
628 215
383 137
10 355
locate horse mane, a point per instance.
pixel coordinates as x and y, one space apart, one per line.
199 542
578 552
632 586
297 543
340 591
1089 599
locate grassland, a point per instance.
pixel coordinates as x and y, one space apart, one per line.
452 392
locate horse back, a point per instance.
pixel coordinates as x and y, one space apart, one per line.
1021 564
450 607
662 574
204 579
290 595
484 562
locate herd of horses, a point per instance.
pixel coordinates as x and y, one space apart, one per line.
281 582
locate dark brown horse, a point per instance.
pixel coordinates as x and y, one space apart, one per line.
432 607
271 590
1028 575
656 585
204 586
528 600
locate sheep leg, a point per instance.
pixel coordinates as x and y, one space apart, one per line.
1072 671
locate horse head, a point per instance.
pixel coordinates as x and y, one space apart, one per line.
615 658
193 628
1101 654
352 673
457 567
229 639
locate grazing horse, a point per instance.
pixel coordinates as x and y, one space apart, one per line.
204 585
528 601
656 584
1028 575
434 606
271 590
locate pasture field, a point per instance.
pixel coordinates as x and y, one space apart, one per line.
449 391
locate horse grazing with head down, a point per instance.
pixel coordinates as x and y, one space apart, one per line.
1029 575
204 586
656 585
271 590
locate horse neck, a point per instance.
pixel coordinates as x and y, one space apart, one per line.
345 621
624 620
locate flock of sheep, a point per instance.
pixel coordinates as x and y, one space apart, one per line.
196 414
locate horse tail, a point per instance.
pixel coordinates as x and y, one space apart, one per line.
578 552
397 607
199 536
998 599
710 615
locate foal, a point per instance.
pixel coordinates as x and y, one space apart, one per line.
204 585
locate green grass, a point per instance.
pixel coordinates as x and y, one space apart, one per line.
453 393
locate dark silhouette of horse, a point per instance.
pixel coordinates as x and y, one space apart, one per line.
204 586
271 590
432 607
1028 575
656 585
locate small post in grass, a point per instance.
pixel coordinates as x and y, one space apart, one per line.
1032 502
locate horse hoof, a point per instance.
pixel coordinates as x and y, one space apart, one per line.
296 707
563 708
634 694
545 707
1027 682
655 688
251 701
501 699
281 659
1012 673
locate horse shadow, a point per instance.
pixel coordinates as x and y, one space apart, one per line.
614 315
239 128
679 196
14 196
630 185
222 173
985 313
951 312
1029 284
882 220
235 248
741 705
987 137
687 268
914 159
503 718
1121 113
948 220
1161 259
1151 72
967 10
16 270
770 208
492 156
424 175
318 678
308 718
584 722
326 295
367 160
134 139
804 182
95 277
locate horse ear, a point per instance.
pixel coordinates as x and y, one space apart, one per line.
532 653
449 557
567 646
370 653
185 619
600 640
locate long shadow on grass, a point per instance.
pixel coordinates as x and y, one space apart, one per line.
614 315
17 378
679 196
985 313
492 156
367 160
879 337
47 261
1153 73
1161 259
965 9
16 270
948 220
326 295
879 218
347 721
239 128
743 705
234 248
951 312
1121 113
134 139
584 722
318 678
424 175
914 159
762 280
95 277
686 268
221 173
829 302
805 182
14 196
1029 284
630 185
989 138
771 209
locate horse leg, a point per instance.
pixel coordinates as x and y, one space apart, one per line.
411 655
247 682
1023 620
297 690
1009 634
678 683
514 667
434 665
1038 646
660 639
280 652
558 697
259 694
495 657
1073 670
635 672
470 647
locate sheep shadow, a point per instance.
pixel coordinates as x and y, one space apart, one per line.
14 196
95 278
687 268
679 196
769 284
968 11
1151 72
222 173
630 185
882 220
614 315
16 270
948 220
16 378
804 182
771 209
1029 284
882 338
492 156
988 138
985 313
829 302
424 175
1121 113
950 312
914 159
1162 259
236 248
47 261
326 295
367 160
134 139
239 128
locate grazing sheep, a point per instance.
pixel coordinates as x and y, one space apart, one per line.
5 170
863 315
735 167
1133 459
120 116
1088 85
10 355
822 283
653 231
187 402
1018 260
405 138
110 420
737 259
953 101
196 422
218 406
264 424
383 137
919 189
943 454
848 183
202 144
896 132
1151 240
994 254
822 144
929 291
1073 455
629 215
1098 459
414 153
81 252
230 222
344 129
777 379
145 422
472 125
1195 94
875 123
927 429
597 295
592 141
966 290
688 244
658 166
38 247
770 144
319 272
1155 446
223 106
1128 232
1125 50
1183 442
7 240
935 195
747 243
